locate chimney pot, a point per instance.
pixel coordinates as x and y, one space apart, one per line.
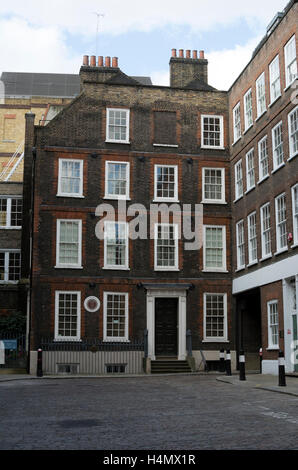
93 61
174 53
188 54
100 61
181 53
115 62
194 54
202 55
86 60
108 61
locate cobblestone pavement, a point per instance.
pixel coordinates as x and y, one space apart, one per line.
165 413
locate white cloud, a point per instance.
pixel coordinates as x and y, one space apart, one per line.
75 16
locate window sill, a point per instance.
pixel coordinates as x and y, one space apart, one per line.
116 340
214 270
238 198
77 196
292 156
274 101
117 142
166 200
67 266
215 340
236 141
279 252
263 179
272 348
278 168
8 141
117 198
250 189
266 257
13 283
10 228
67 339
240 269
167 269
253 263
166 145
212 147
290 84
116 268
246 130
261 115
208 201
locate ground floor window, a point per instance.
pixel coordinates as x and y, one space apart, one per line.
115 316
67 315
215 317
272 308
10 266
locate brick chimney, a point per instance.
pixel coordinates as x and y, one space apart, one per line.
98 69
187 67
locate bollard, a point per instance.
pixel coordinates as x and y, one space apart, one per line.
281 370
228 363
261 358
242 366
222 360
39 363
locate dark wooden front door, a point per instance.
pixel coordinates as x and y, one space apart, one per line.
166 313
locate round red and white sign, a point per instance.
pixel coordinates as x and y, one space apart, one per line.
92 304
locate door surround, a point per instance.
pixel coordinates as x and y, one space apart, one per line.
152 294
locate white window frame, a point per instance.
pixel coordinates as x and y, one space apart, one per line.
216 339
288 64
279 224
124 266
176 248
250 170
7 253
166 199
263 158
221 138
266 230
127 192
238 180
117 141
274 79
277 129
60 192
8 225
248 111
292 151
223 268
261 97
60 265
252 238
222 200
294 190
237 122
240 244
58 337
115 338
271 343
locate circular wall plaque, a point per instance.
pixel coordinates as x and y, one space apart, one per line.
92 304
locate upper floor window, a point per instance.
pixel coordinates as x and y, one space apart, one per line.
11 212
70 180
274 76
115 245
215 317
265 230
10 266
117 125
165 128
263 158
166 183
69 244
295 212
166 247
238 180
252 238
293 132
250 169
248 118
290 61
261 94
213 185
281 222
240 244
237 122
212 132
215 248
117 180
277 146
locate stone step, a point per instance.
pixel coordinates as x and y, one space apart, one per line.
169 366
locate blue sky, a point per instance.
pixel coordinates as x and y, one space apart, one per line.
39 36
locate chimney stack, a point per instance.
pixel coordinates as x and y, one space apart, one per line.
186 69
